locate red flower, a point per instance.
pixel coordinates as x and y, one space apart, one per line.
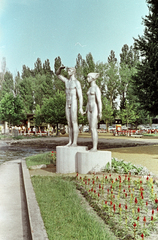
138 209
134 224
144 219
147 178
156 200
136 201
142 235
126 206
99 186
124 190
52 151
128 179
151 218
93 182
111 203
146 203
110 175
108 190
138 218
152 211
105 177
106 202
91 189
98 195
120 205
94 191
114 207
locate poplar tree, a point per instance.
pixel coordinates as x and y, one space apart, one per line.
146 78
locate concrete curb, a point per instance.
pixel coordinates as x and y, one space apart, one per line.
37 228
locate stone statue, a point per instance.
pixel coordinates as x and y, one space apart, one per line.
73 90
94 108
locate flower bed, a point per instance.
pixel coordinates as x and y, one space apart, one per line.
129 205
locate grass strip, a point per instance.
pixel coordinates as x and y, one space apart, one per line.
63 214
43 158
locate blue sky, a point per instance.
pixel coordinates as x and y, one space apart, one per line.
50 28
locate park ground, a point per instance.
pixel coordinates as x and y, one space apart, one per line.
141 154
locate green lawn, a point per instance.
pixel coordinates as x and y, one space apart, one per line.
64 216
43 158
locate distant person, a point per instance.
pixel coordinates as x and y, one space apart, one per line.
73 90
94 108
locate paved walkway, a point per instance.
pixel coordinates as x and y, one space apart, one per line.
13 220
20 217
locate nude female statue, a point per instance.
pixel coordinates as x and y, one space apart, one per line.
73 90
94 108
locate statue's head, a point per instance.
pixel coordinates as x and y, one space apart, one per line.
71 71
92 76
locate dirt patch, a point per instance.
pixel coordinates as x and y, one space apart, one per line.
146 156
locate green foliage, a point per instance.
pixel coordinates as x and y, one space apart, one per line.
119 166
112 79
63 214
107 112
7 84
145 80
129 114
38 116
53 109
26 93
11 109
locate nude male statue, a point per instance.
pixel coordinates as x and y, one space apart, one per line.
73 90
94 108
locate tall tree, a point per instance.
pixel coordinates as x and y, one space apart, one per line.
7 84
53 109
146 78
128 61
25 89
11 109
112 79
107 113
38 69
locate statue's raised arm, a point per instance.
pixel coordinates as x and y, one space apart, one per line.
58 73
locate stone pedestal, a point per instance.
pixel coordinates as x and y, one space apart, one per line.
92 161
66 161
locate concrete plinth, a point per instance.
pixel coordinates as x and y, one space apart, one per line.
92 161
66 161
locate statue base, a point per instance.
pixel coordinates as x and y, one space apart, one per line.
66 161
89 162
